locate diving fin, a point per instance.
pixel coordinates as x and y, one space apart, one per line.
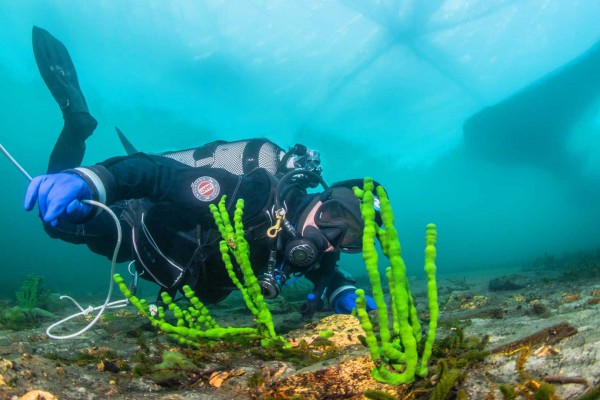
129 148
57 70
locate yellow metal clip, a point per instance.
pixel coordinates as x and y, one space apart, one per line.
274 230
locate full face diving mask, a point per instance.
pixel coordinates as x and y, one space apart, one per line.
340 222
330 222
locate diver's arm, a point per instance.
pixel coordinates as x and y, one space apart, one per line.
62 200
339 285
341 293
161 179
131 177
332 283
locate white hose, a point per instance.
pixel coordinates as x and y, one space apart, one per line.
107 303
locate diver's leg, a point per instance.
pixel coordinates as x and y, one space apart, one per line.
57 70
69 148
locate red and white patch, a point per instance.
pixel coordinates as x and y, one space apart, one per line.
206 188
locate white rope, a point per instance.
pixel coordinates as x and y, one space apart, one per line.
107 303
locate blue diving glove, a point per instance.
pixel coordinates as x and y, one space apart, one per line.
59 197
346 302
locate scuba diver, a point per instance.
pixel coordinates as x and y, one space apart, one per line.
163 202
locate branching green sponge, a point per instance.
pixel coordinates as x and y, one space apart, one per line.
195 325
397 350
234 243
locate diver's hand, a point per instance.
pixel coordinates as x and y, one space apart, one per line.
59 197
346 302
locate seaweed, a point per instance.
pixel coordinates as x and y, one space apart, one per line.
461 395
460 351
31 292
508 391
591 394
301 356
378 395
173 370
545 391
529 388
448 377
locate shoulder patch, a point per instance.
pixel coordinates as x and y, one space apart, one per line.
206 188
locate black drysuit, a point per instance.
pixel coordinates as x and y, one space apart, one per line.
163 204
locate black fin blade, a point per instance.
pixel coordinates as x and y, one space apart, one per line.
57 70
129 148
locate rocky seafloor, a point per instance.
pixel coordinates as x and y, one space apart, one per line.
533 333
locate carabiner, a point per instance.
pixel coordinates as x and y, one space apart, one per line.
273 231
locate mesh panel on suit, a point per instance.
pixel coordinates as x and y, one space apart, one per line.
183 156
234 157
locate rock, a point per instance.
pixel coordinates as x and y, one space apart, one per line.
501 284
348 379
38 395
345 329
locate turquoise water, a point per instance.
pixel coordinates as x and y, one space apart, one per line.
380 89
